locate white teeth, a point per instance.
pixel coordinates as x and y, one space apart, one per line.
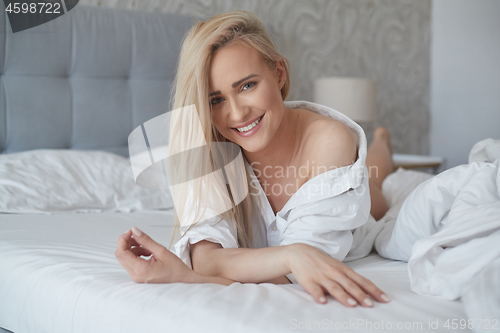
249 127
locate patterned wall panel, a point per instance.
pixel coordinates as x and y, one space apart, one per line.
384 40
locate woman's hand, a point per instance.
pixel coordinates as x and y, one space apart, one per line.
318 272
162 267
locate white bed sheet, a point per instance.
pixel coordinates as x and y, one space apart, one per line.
59 274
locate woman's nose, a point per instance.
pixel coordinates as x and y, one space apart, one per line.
238 111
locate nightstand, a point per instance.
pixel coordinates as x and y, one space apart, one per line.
417 161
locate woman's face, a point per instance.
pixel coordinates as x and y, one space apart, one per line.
245 90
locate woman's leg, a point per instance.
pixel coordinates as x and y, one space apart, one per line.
379 164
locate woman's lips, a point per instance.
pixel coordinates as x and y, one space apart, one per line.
248 122
252 131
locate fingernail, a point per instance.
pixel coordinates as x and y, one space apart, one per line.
385 298
351 301
126 231
368 302
136 231
322 299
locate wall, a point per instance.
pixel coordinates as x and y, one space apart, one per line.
465 85
383 40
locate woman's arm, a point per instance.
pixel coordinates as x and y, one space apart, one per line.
162 267
280 280
313 269
199 278
239 264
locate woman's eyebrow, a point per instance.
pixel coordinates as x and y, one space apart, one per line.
235 84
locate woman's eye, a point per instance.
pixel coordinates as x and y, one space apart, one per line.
249 85
215 101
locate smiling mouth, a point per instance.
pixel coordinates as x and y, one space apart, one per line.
248 127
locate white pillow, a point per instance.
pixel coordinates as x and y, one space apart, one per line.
57 180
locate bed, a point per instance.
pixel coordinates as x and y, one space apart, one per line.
71 91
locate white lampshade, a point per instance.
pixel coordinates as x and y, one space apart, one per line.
354 97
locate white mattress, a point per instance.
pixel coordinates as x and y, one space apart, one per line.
58 273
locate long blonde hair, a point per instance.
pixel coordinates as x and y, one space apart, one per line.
192 88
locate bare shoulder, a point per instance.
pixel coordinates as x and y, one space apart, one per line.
329 144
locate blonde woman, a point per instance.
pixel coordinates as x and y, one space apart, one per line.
286 230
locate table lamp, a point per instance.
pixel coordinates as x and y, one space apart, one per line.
354 97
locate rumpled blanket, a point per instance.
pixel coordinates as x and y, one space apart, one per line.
448 230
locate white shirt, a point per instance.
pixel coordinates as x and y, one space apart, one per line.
324 212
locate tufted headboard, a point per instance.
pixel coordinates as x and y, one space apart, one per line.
86 79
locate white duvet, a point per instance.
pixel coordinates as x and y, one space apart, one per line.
448 230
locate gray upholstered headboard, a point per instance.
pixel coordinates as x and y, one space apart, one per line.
86 79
